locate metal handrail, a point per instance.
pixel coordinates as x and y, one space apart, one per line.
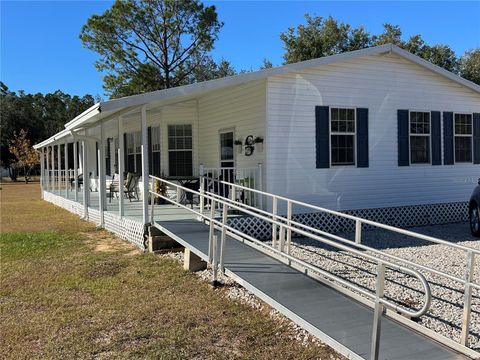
358 245
355 218
378 297
471 252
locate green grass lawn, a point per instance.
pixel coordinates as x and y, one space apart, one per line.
70 291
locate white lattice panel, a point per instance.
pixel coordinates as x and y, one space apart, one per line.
124 228
403 216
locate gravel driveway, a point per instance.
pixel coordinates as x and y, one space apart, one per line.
445 314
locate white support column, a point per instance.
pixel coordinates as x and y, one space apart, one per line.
59 158
52 172
67 177
75 168
47 173
101 177
121 166
42 171
145 170
86 180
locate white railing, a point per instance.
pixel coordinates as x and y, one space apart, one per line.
282 235
214 179
216 258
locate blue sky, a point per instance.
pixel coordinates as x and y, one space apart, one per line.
41 51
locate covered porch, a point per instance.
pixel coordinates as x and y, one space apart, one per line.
114 146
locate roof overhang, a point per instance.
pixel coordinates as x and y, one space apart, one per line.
103 110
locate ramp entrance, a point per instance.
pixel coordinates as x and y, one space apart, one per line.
357 322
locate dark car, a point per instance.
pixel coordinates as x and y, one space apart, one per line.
474 211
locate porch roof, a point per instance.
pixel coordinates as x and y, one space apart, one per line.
115 107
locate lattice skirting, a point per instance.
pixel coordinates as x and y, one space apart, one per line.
124 228
402 216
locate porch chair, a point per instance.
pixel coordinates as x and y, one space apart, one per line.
114 187
131 186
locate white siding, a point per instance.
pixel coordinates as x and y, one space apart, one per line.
241 108
382 84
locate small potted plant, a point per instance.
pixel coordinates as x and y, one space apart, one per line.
238 144
258 143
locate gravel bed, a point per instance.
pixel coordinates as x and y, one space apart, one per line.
445 314
238 293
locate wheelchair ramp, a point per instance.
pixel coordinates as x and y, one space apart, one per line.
335 318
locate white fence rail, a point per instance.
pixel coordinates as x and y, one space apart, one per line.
215 180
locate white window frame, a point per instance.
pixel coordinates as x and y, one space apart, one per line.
429 135
354 133
171 150
462 135
134 139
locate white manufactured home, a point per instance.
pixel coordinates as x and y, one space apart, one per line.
379 133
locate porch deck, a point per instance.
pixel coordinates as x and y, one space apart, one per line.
132 209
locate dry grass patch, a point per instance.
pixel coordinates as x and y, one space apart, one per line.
81 293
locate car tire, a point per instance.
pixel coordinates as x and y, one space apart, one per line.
475 220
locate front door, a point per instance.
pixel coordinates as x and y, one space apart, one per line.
227 156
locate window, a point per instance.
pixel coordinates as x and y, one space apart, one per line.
342 130
180 154
134 152
419 137
463 138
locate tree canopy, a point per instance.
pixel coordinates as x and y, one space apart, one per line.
147 45
41 115
320 37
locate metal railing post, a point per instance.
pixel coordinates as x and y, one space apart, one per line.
467 307
211 231
152 201
202 188
260 187
224 234
358 231
274 217
215 260
378 311
282 238
289 230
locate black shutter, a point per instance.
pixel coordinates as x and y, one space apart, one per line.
322 136
436 138
150 150
125 155
108 164
362 137
476 138
403 140
448 138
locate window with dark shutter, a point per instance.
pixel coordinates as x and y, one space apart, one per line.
463 138
419 137
342 136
